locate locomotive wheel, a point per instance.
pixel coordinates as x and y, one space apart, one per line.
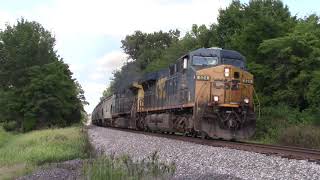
181 124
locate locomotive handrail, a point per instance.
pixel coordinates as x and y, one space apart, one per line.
256 95
197 103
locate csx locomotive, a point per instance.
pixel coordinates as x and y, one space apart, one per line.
206 93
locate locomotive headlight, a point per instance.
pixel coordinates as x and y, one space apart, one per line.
246 100
226 72
215 98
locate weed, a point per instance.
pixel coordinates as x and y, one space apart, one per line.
124 167
10 126
306 136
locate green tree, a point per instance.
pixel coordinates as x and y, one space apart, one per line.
145 48
36 87
243 27
229 23
198 37
291 63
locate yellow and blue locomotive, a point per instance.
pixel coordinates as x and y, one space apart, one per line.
207 92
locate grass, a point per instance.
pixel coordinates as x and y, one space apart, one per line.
306 136
4 137
287 126
123 167
20 153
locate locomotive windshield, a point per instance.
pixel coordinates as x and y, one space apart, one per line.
211 61
204 61
234 62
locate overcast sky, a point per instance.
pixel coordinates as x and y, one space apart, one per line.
88 32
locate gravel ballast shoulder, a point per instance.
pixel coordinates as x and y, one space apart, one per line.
68 170
194 161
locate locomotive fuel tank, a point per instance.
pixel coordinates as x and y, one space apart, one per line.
163 122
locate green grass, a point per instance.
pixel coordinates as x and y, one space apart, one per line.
4 137
307 136
21 152
288 126
123 167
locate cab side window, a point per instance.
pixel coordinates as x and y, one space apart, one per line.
178 65
172 69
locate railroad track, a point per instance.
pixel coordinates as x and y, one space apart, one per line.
289 152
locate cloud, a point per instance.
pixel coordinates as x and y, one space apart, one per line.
108 63
100 73
76 68
112 60
93 91
5 18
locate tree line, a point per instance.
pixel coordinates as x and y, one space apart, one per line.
36 86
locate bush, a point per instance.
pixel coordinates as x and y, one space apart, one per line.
29 124
272 120
277 119
10 125
109 167
306 136
312 115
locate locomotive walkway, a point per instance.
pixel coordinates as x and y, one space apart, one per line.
196 159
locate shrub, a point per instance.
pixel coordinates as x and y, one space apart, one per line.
277 119
312 115
306 136
10 125
272 120
29 124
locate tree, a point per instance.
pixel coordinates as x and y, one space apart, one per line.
243 27
145 48
291 65
198 37
229 23
36 87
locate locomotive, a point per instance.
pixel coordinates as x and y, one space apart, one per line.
206 93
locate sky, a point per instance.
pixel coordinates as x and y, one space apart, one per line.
89 32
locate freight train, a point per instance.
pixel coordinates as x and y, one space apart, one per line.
208 92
